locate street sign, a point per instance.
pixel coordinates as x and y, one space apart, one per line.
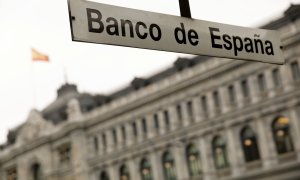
100 23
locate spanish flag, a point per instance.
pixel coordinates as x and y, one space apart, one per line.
37 56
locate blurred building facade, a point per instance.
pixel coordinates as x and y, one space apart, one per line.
203 118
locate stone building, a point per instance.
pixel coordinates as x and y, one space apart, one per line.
202 118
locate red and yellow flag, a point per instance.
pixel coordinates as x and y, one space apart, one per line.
37 56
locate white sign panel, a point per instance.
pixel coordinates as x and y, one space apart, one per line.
100 23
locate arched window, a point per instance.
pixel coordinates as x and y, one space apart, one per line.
281 135
168 166
124 173
220 153
36 171
104 176
145 170
249 144
193 161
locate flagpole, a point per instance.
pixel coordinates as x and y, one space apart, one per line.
33 84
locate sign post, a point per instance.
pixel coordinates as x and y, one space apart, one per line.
185 10
105 24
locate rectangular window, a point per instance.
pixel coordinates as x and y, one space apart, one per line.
190 109
261 83
179 113
11 174
156 123
167 119
216 99
204 104
276 77
295 71
96 144
64 153
232 94
134 129
245 88
123 132
144 124
114 133
104 142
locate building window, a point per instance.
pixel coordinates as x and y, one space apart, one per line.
96 143
193 161
36 172
134 129
114 133
11 174
220 153
245 88
104 176
123 132
204 104
168 166
249 144
167 119
261 83
124 173
104 141
232 94
190 110
145 170
144 124
295 71
281 135
276 77
64 153
179 112
216 98
156 122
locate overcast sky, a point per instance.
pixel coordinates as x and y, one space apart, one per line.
95 68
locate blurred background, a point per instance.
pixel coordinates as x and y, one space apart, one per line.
93 83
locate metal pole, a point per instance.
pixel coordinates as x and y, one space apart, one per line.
185 10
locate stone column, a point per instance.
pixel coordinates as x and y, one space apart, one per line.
113 172
234 152
79 155
133 169
206 159
161 120
91 147
178 152
120 137
174 122
198 113
239 94
110 141
22 170
224 98
129 133
295 129
185 115
211 105
266 144
253 87
156 165
287 77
